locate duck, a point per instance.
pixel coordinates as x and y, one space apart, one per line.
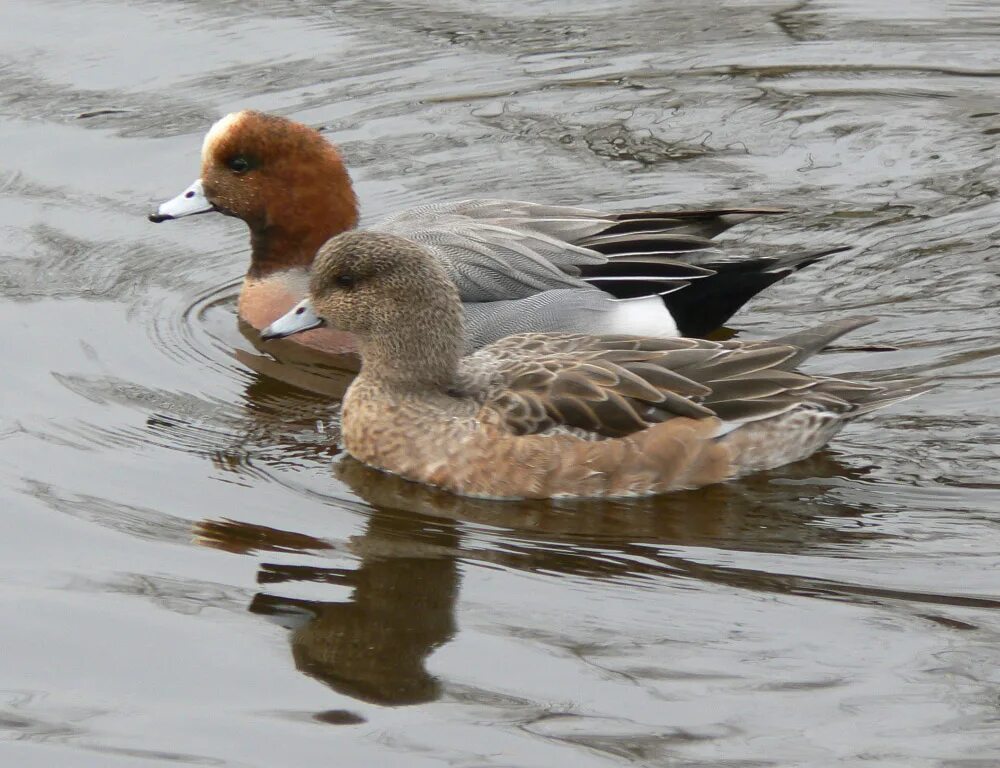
519 266
560 415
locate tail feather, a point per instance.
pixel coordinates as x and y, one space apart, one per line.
684 237
796 262
813 340
712 300
891 393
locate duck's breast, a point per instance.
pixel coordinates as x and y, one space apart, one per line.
264 299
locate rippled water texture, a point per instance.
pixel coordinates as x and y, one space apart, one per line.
185 581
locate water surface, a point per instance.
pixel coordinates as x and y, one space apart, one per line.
186 580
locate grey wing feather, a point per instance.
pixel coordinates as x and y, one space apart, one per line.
498 249
610 386
564 223
536 382
506 249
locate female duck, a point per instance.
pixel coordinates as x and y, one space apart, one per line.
546 415
518 266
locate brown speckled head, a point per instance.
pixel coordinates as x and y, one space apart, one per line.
284 180
395 297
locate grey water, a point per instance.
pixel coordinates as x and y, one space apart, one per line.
190 573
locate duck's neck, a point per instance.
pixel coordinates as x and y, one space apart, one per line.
421 357
275 248
320 204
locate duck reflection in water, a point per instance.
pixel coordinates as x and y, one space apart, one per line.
374 646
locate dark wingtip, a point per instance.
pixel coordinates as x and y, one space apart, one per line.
795 263
710 301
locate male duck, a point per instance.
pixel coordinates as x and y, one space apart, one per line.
518 266
544 415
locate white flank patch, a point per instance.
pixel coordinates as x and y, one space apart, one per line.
647 316
219 129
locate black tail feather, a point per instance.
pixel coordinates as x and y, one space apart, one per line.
646 249
707 304
710 301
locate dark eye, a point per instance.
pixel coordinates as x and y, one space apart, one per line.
344 281
238 164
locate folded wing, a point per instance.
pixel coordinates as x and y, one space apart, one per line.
612 386
505 249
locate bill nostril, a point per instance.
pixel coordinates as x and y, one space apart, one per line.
189 194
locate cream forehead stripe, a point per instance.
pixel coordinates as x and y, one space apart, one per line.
218 130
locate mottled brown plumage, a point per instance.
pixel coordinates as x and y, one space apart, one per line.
544 415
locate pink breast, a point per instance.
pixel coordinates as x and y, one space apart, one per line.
263 301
